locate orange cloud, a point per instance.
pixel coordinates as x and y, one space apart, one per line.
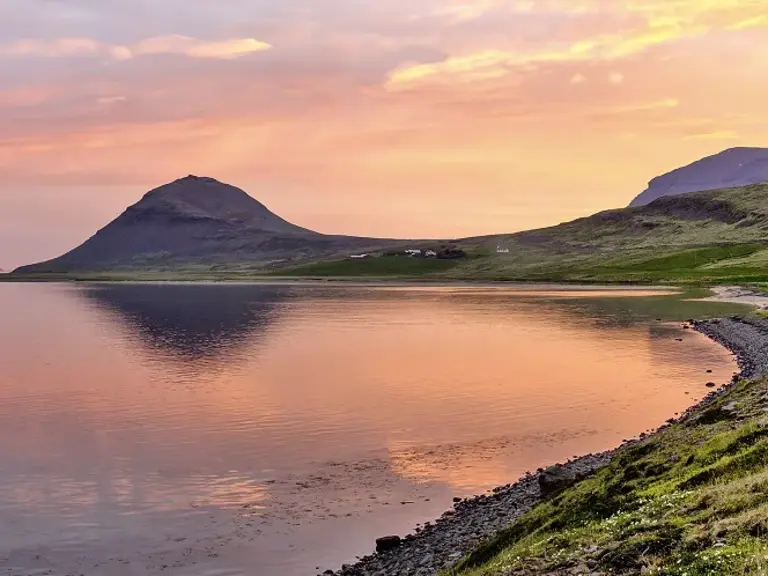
661 23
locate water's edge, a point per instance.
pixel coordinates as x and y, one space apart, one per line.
458 531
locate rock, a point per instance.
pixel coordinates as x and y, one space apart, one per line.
711 384
427 559
456 499
709 371
386 543
729 408
555 479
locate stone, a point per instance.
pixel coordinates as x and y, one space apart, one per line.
730 408
555 479
386 543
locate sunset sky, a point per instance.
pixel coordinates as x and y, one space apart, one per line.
427 118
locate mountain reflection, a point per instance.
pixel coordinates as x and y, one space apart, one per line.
191 321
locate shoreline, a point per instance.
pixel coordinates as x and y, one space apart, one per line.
160 278
441 544
737 295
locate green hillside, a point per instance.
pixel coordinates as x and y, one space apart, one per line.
720 235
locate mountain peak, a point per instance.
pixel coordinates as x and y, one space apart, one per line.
203 197
193 178
731 168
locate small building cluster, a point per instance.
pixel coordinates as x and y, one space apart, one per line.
443 252
416 253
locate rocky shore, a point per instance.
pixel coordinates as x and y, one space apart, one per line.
441 544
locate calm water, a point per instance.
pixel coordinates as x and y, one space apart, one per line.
273 430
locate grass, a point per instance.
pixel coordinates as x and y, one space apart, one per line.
689 501
381 266
695 264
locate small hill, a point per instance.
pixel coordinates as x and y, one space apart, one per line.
728 169
194 221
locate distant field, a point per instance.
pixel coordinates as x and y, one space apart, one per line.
709 264
382 266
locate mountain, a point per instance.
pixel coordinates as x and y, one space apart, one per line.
728 169
194 221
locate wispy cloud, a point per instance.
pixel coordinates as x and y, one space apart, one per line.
52 48
716 135
194 48
173 44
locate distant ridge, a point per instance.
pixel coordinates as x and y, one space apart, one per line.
730 168
196 220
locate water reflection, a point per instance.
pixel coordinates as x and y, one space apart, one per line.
190 321
241 420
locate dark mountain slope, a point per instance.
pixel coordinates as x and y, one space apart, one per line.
197 221
728 169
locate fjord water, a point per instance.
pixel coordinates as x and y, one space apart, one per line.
279 429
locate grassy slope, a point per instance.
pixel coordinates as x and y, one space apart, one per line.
692 500
720 235
383 266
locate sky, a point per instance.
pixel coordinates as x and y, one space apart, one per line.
436 118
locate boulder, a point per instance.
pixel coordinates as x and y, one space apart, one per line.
555 479
386 543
